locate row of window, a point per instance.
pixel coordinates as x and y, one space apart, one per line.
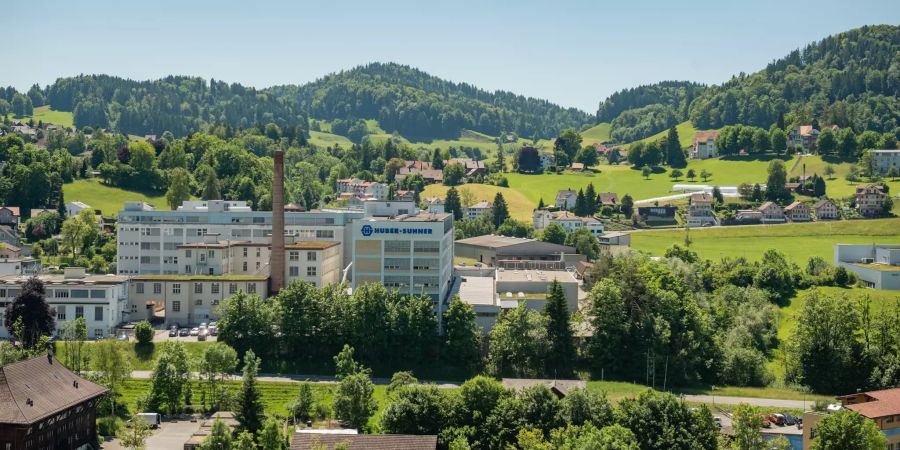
61 313
295 256
198 288
294 271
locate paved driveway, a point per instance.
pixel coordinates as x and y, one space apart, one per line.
170 435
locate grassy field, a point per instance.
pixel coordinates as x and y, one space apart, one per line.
47 115
520 207
109 199
323 139
596 134
142 357
797 241
686 132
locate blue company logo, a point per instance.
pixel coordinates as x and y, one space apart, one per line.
367 230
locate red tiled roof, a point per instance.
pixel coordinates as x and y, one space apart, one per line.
307 441
703 136
608 198
13 209
885 403
806 130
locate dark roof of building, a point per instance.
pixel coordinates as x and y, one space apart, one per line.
307 441
559 387
39 387
822 203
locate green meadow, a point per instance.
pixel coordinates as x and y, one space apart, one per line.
109 199
47 115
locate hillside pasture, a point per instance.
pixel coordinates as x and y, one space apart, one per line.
47 115
109 199
596 134
520 207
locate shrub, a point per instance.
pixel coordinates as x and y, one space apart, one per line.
143 331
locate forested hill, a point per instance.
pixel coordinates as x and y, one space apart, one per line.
674 94
851 79
401 98
422 106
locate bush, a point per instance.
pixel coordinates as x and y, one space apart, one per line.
108 426
143 331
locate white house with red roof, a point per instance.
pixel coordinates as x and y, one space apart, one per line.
704 146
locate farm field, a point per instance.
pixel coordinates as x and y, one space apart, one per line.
797 241
323 139
596 134
686 132
520 207
109 199
47 115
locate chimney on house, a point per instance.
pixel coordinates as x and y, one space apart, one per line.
276 255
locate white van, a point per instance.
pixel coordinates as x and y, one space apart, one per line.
152 419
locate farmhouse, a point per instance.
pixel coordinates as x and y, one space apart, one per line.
797 212
608 199
704 145
565 199
876 265
870 200
826 210
771 213
473 168
44 405
9 215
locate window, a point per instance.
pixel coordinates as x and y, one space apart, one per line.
257 266
157 288
79 312
188 269
176 288
311 271
61 313
59 293
98 313
98 333
396 246
245 252
294 256
215 288
198 288
212 271
245 266
139 288
258 252
198 302
294 271
211 253
310 256
232 288
251 288
176 306
325 234
215 302
187 253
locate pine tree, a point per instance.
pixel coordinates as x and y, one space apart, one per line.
541 203
674 153
499 210
590 198
250 409
211 185
559 332
437 162
580 204
452 204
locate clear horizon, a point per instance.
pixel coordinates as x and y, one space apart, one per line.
571 53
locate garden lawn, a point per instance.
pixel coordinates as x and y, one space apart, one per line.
798 241
520 207
109 199
47 115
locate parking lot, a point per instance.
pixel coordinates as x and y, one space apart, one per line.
163 336
170 435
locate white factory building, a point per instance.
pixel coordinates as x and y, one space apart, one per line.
148 239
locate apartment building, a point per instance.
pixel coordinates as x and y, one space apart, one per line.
704 146
100 299
870 200
826 210
411 253
797 212
148 239
568 221
771 213
700 212
477 210
187 299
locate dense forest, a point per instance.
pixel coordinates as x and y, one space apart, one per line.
401 98
851 79
422 106
676 94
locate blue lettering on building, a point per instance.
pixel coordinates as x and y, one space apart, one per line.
368 230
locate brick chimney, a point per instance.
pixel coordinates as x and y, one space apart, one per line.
276 256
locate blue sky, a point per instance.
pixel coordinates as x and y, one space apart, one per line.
574 53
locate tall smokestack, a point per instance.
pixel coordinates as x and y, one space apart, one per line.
276 255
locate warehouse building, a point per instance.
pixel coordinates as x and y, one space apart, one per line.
492 249
531 286
188 299
876 265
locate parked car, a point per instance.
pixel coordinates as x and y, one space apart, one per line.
789 419
184 332
195 331
173 332
202 325
152 419
123 337
718 421
201 337
777 419
213 331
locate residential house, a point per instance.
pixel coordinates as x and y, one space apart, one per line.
44 405
608 199
577 167
477 210
748 216
704 145
870 200
826 210
434 205
8 236
9 251
9 215
806 136
548 160
403 195
570 222
884 160
615 238
797 212
433 176
700 212
73 208
38 211
473 168
565 199
771 213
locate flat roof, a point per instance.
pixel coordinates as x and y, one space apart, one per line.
311 245
881 267
201 278
494 240
475 290
56 279
535 275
